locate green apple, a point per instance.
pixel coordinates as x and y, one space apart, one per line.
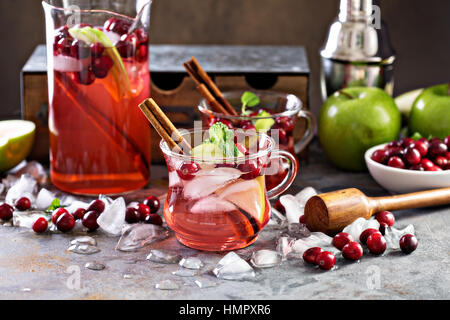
354 119
430 114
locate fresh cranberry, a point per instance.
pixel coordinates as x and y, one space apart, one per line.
90 220
22 204
366 233
302 219
412 156
65 222
435 140
56 214
142 53
153 203
441 161
6 212
247 125
447 142
394 143
417 167
396 162
143 210
125 48
376 243
383 227
408 243
101 66
395 152
406 142
226 122
341 239
97 49
131 215
287 123
352 251
79 50
63 46
187 171
422 147
437 148
85 77
311 254
40 225
142 36
117 25
153 219
242 148
434 168
424 141
282 136
325 260
97 206
386 217
79 213
380 156
250 170
427 164
447 155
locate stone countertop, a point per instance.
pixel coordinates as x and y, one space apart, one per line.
39 267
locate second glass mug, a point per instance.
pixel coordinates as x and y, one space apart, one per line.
284 109
98 72
222 204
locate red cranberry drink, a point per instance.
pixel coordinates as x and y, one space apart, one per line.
98 73
279 115
217 197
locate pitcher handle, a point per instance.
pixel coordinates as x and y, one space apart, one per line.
290 177
310 130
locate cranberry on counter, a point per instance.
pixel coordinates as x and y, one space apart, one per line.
408 243
341 239
311 254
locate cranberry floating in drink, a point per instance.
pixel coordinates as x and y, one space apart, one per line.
98 73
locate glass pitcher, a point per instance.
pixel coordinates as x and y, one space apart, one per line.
98 73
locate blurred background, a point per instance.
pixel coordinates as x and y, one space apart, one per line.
419 32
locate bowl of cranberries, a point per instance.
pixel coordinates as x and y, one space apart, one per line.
409 165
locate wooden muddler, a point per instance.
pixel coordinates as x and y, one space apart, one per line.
333 211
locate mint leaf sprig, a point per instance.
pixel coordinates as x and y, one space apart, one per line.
249 99
56 204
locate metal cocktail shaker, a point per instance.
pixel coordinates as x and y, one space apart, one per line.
357 51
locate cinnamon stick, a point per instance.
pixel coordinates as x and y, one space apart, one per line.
213 103
164 126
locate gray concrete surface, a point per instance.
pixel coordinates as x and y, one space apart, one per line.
39 267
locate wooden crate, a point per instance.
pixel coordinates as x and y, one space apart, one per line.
275 68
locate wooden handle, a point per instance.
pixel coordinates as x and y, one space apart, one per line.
421 199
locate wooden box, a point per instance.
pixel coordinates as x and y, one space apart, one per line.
277 68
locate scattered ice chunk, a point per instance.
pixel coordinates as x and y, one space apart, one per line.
294 210
84 240
191 263
393 235
83 249
113 218
316 239
36 170
277 219
284 246
207 182
139 235
25 290
127 276
303 196
44 199
298 230
266 258
232 267
25 219
212 204
95 266
205 283
167 285
9 181
185 272
359 225
174 179
162 256
76 204
24 187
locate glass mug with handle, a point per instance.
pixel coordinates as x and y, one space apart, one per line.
221 203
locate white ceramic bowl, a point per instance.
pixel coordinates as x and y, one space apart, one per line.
402 180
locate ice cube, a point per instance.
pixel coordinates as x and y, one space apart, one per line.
139 235
191 263
185 272
359 225
9 181
76 205
84 240
167 285
207 182
174 179
298 230
95 266
83 249
277 219
294 210
44 199
303 196
393 235
24 187
205 283
113 218
266 258
26 219
316 239
36 170
212 204
284 246
162 256
233 267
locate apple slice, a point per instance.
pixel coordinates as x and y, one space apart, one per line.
405 101
16 141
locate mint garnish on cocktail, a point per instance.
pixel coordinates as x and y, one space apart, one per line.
249 99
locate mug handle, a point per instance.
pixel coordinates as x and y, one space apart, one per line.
310 130
290 177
